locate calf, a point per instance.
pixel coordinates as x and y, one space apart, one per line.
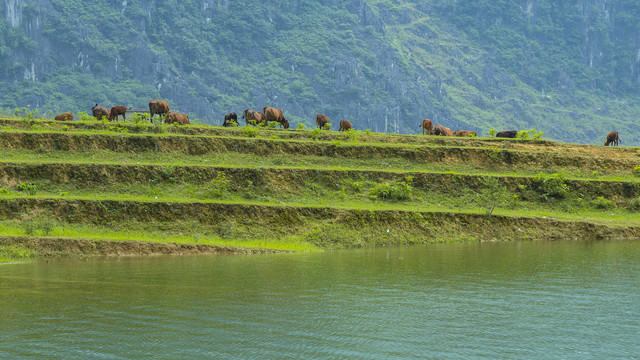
465 133
229 119
427 127
321 121
345 125
64 116
441 130
177 118
612 138
117 111
99 111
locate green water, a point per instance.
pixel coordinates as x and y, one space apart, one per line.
533 300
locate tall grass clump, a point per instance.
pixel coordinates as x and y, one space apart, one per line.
400 190
552 186
15 253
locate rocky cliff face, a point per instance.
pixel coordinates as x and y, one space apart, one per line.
383 65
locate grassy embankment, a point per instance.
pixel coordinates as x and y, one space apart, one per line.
124 188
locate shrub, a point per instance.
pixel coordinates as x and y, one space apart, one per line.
27 187
314 134
531 134
552 186
634 204
250 131
350 135
492 132
327 126
636 170
301 126
400 190
493 194
218 186
602 203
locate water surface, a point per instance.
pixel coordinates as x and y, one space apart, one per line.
530 300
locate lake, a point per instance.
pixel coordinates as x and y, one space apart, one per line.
520 300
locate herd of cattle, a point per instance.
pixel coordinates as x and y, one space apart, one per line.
270 114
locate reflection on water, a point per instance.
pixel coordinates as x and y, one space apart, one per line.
511 300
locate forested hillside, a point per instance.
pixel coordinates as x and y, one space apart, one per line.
570 69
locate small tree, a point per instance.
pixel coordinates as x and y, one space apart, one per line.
492 195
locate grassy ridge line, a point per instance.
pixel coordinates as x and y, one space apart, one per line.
46 142
147 210
285 178
321 226
291 134
57 246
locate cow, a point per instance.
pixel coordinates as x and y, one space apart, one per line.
612 138
273 114
441 130
345 125
510 134
158 107
321 121
252 115
427 127
177 118
229 119
99 111
117 111
465 133
64 116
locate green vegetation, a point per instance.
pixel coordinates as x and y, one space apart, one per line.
566 68
101 184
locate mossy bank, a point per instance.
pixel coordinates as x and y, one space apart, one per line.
99 188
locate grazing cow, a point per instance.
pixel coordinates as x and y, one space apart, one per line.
117 111
321 121
249 115
510 134
99 111
441 130
464 133
229 119
177 118
427 127
64 116
345 125
273 114
158 107
612 138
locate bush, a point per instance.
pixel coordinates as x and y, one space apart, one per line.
602 203
27 187
314 134
636 170
327 126
634 204
493 194
531 134
492 132
250 131
552 186
301 126
400 190
218 186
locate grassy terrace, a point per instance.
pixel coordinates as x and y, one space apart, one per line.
105 188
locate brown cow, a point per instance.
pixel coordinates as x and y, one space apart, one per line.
249 115
177 118
273 114
509 134
117 111
99 111
345 125
321 121
158 107
427 127
612 138
64 116
230 119
465 133
441 130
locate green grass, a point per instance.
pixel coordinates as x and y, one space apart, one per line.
13 253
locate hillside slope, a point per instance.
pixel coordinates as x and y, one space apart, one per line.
570 70
86 187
